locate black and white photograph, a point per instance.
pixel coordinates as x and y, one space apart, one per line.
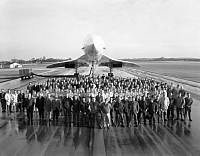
99 77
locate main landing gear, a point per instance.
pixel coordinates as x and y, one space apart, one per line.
110 74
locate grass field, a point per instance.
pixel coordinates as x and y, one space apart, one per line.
179 69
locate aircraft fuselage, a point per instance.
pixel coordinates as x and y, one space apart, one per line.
93 47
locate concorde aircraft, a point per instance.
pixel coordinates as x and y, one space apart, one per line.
93 47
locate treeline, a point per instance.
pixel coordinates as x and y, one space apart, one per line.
38 60
163 59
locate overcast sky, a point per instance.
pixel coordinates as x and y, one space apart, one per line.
130 28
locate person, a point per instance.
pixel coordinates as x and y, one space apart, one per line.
56 105
87 111
182 92
48 107
105 94
12 101
29 108
15 101
100 109
171 107
118 107
142 110
121 110
66 105
175 91
180 102
100 113
148 98
188 104
112 112
93 111
30 87
83 111
99 97
26 103
38 87
8 101
169 90
107 107
76 109
135 109
164 103
33 87
34 97
40 105
158 112
152 111
23 95
3 100
126 110
19 98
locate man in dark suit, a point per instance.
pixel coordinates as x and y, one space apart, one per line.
30 87
3 101
66 105
56 105
38 87
180 102
29 109
33 88
119 106
83 111
188 104
171 107
76 109
127 110
94 111
153 107
48 107
135 109
142 110
40 106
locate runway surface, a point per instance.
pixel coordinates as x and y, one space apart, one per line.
18 138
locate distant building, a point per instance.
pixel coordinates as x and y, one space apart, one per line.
10 65
15 65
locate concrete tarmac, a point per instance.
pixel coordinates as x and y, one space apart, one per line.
19 138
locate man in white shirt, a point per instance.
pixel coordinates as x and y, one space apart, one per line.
14 100
8 100
105 94
164 103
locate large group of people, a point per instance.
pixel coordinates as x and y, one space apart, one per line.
103 101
